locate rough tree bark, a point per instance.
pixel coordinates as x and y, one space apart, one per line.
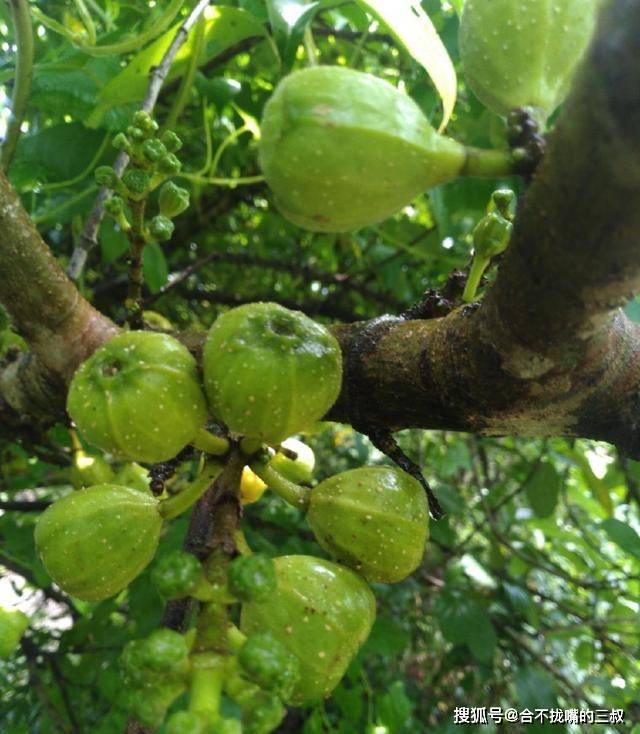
548 352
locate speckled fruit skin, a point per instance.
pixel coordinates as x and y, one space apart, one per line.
322 613
270 372
523 53
374 519
95 541
342 150
138 397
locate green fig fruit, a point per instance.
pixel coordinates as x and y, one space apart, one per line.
87 470
270 372
133 475
374 519
342 150
322 613
300 469
139 397
524 54
13 624
95 541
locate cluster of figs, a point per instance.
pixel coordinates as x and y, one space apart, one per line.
267 373
340 150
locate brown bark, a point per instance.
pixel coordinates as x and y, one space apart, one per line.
61 327
548 352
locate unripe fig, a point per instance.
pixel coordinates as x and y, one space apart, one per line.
173 200
342 150
321 613
132 475
87 470
300 469
139 397
270 372
13 624
374 519
95 541
524 54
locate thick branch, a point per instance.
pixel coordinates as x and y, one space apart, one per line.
45 307
547 353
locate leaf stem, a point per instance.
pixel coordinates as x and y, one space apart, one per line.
488 163
206 685
23 31
475 276
210 443
290 492
184 92
179 503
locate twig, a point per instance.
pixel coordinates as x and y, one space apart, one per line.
212 527
136 277
88 238
23 31
17 506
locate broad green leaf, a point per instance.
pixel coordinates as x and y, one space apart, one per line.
413 28
535 690
387 637
464 621
55 154
154 266
543 490
226 26
623 535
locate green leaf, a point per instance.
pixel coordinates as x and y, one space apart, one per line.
535 690
623 535
394 707
596 486
413 28
464 621
543 490
55 154
387 637
226 26
458 5
289 19
113 242
154 267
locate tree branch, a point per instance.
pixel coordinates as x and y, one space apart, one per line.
61 327
158 74
547 353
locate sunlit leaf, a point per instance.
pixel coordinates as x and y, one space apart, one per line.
413 28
